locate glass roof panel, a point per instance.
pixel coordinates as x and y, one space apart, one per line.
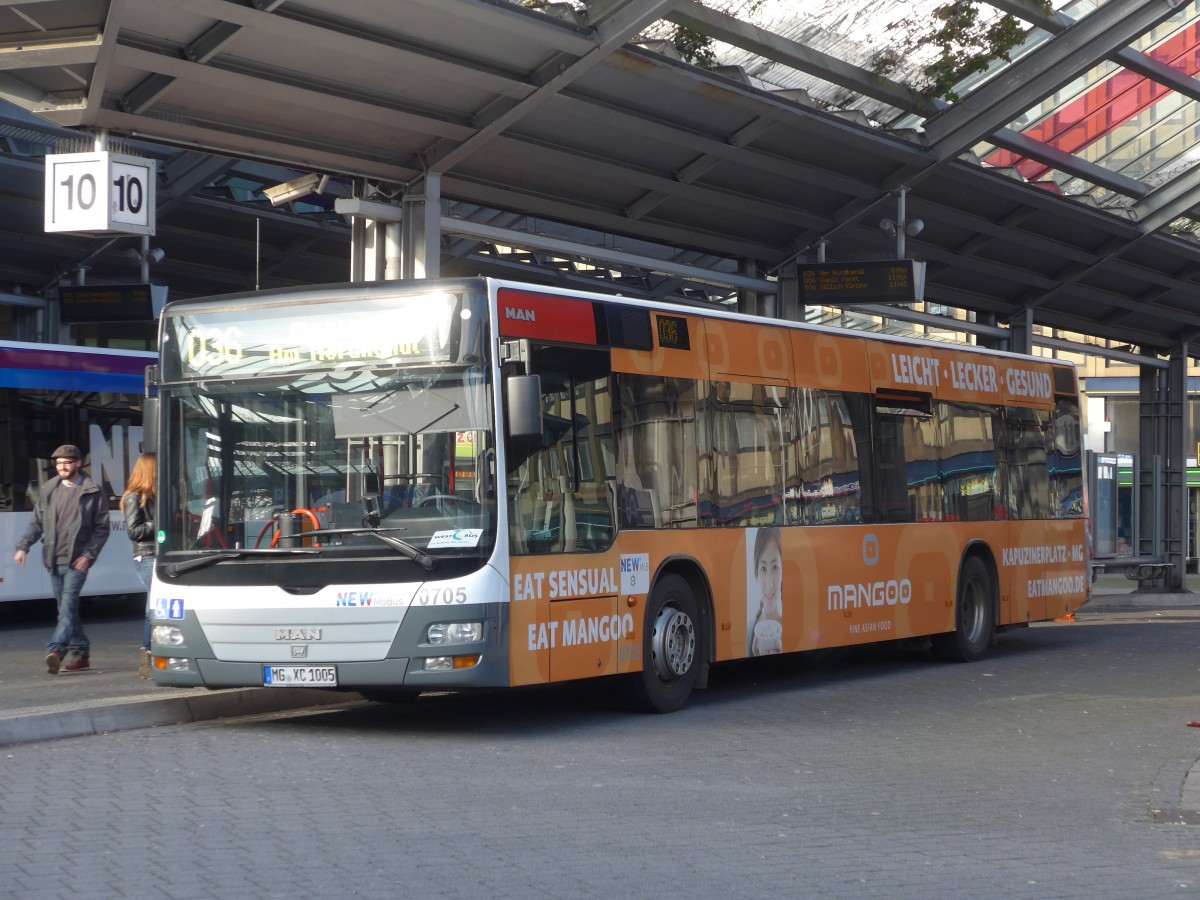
1116 118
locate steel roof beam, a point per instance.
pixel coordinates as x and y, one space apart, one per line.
461 227
621 21
305 94
1169 201
441 61
1011 139
61 47
996 103
726 28
1147 66
1028 80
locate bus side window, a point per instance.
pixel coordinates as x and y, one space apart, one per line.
746 465
657 433
1023 463
907 437
968 462
1065 461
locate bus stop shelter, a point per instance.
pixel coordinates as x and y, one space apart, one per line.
543 141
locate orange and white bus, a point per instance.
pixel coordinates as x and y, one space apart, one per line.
401 487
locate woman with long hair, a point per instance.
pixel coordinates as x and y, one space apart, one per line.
137 503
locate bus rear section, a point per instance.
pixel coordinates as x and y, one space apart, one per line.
783 489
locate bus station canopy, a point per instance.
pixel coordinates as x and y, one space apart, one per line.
1059 185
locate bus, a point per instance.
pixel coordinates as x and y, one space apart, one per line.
52 394
403 487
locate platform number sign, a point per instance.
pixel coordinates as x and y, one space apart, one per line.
100 193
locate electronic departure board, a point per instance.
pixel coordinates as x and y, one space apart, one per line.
879 281
105 303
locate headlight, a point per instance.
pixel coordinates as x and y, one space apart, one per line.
446 663
168 635
454 632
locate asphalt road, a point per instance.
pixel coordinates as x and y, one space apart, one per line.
1057 767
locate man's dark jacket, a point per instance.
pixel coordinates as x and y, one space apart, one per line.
89 534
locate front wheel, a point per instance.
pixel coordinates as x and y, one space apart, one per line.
673 649
974 615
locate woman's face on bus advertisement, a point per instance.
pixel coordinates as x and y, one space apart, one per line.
768 571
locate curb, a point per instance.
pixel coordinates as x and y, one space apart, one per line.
1135 601
177 710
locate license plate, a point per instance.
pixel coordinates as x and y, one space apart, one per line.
300 676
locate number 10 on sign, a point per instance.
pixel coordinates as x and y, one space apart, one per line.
100 193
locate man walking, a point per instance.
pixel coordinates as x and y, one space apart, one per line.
70 517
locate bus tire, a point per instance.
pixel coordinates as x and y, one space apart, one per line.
974 615
673 649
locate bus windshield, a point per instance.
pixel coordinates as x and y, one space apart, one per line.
348 463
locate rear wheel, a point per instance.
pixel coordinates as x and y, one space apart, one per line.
672 649
974 615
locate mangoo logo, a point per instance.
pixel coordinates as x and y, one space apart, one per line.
872 593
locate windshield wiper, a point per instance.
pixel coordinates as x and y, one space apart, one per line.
419 556
215 556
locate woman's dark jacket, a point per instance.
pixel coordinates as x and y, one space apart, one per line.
139 523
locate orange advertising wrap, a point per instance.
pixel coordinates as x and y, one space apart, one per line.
837 586
786 588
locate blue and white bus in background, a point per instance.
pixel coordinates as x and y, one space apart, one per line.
52 394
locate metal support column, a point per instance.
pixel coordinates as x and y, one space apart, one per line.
1162 470
1175 526
1149 485
787 299
750 301
366 245
1021 339
421 229
984 340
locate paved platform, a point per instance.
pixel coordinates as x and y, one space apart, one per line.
111 696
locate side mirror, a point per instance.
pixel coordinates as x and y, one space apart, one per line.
149 425
370 485
523 398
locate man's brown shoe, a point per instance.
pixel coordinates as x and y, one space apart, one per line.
53 661
76 662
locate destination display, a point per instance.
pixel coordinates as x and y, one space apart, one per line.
105 303
884 281
246 342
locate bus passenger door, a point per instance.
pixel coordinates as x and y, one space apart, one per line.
558 487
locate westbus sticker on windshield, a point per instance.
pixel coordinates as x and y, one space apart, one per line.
461 537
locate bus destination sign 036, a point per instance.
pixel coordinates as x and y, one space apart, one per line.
877 281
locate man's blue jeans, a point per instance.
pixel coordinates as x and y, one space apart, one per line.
67 584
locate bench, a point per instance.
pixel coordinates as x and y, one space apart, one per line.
1135 568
